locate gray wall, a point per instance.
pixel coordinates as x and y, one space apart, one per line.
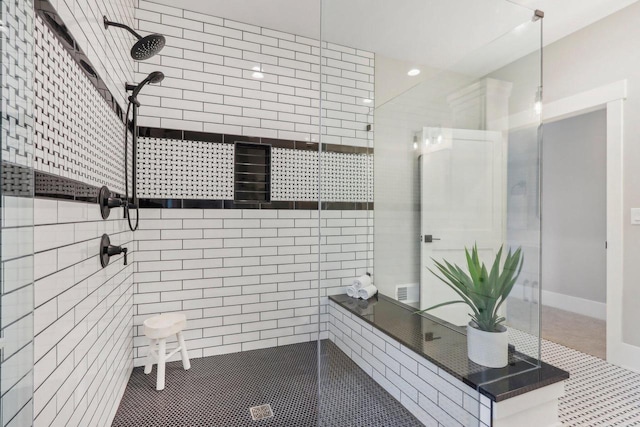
597 55
574 206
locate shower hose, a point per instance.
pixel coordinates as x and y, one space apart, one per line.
127 205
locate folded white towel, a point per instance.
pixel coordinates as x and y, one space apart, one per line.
352 292
362 281
368 292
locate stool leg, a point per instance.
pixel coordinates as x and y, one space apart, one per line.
162 356
183 351
148 366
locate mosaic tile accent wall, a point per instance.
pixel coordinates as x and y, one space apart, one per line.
209 61
77 135
178 169
17 82
182 169
344 177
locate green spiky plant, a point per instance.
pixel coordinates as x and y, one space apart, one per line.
483 291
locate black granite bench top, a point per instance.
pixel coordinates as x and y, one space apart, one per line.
445 345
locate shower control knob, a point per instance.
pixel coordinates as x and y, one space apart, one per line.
107 250
107 202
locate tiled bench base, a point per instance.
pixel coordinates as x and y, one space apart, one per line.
432 395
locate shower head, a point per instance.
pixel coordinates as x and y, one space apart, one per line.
154 77
145 47
148 46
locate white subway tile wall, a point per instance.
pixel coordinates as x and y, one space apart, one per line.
83 315
77 135
432 395
17 311
107 49
245 278
209 63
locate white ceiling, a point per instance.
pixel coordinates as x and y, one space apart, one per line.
428 32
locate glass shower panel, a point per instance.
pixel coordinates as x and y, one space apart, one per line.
16 211
449 120
460 166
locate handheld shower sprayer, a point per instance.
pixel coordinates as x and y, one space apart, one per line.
154 77
145 47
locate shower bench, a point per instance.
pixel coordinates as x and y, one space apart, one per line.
423 363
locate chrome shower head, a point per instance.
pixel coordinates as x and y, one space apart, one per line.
145 47
154 77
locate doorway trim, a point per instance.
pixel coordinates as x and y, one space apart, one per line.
610 97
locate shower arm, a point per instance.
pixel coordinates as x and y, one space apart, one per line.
108 23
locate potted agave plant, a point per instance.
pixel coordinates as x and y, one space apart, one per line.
484 292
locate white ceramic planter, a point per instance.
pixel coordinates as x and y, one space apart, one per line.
489 349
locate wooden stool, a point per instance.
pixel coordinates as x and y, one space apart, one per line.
158 329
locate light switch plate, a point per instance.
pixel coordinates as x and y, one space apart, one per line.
635 216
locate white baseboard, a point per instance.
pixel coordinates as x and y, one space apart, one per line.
597 310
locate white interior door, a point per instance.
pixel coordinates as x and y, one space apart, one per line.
463 202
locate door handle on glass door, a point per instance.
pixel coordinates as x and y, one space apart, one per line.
428 238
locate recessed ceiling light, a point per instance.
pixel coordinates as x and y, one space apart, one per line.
367 101
413 72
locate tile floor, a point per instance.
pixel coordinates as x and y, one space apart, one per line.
218 391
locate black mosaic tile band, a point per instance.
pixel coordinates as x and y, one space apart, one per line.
56 187
21 181
53 20
16 180
231 204
186 135
445 345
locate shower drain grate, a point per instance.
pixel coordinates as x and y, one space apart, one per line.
261 412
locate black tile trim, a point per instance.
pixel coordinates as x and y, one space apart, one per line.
39 184
186 135
53 20
51 186
21 181
519 377
16 180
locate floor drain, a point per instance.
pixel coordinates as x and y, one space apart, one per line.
261 412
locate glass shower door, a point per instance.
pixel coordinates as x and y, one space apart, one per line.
16 211
432 91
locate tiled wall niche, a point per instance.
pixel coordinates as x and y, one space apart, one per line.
180 168
208 63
